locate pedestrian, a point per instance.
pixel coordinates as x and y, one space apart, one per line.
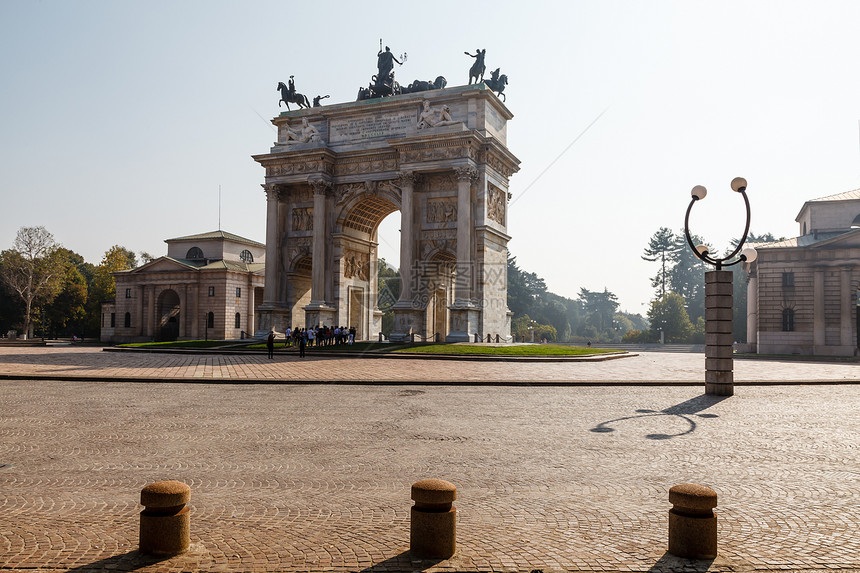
351 335
288 337
302 343
270 344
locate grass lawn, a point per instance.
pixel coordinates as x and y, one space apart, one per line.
518 350
179 344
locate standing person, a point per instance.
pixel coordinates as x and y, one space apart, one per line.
288 337
351 335
311 336
302 343
270 344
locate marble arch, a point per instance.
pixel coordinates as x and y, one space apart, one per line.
326 198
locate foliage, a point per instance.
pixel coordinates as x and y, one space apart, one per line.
33 269
67 312
661 247
669 316
103 285
388 284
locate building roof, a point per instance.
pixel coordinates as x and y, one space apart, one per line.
219 234
846 196
804 241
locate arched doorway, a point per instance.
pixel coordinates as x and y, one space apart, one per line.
168 315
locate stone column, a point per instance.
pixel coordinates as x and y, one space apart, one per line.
273 197
719 378
752 309
465 176
845 308
320 188
153 312
141 290
465 314
183 310
194 311
404 311
249 322
818 332
407 236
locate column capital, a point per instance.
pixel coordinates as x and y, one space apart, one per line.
465 174
273 191
320 186
405 178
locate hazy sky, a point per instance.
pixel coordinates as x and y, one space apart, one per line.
121 119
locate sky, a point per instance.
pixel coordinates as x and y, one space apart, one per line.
122 120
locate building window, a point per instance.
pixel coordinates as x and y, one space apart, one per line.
238 292
787 320
238 321
127 321
787 279
211 291
194 254
246 256
128 293
112 319
210 320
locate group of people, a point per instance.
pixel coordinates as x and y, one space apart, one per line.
314 336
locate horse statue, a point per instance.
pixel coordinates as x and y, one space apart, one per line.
497 83
421 86
296 98
477 70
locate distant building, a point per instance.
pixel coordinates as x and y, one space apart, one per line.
208 286
803 292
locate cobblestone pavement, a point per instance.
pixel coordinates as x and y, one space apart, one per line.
88 362
317 477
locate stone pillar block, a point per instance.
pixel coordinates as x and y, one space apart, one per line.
165 524
433 528
692 523
719 341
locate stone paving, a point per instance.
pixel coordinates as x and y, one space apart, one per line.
305 477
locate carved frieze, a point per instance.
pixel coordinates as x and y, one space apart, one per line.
358 166
438 181
496 163
438 153
299 247
347 191
442 210
297 167
439 234
430 246
356 265
303 219
496 204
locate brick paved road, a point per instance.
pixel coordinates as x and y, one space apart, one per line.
86 362
316 478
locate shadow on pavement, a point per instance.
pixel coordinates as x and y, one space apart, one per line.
684 411
131 561
402 562
669 563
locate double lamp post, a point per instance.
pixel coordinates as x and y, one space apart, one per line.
719 338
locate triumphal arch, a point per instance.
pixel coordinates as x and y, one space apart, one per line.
335 172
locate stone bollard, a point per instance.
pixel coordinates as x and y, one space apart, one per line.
433 530
165 523
692 523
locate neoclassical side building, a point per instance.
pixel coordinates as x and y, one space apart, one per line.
438 157
803 293
207 286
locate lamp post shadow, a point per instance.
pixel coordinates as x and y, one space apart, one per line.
686 411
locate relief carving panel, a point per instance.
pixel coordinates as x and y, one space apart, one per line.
441 210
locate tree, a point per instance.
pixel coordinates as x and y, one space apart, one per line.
687 275
388 285
599 308
669 316
33 269
68 310
661 247
103 286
